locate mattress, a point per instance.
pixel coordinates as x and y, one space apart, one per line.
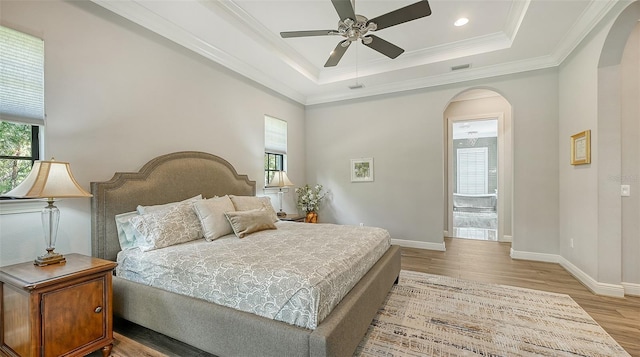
295 274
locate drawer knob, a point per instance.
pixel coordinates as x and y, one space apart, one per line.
98 309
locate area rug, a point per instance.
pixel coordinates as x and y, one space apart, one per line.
431 315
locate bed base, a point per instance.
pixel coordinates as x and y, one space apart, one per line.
224 331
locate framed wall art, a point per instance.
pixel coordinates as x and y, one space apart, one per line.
362 170
581 148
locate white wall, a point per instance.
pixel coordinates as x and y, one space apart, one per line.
598 93
404 135
117 96
630 130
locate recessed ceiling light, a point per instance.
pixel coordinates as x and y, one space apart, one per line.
461 21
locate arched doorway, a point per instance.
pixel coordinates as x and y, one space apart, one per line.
478 169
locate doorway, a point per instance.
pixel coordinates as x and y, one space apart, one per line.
478 166
475 178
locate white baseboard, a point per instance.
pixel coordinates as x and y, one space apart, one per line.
606 289
507 239
631 289
538 257
419 245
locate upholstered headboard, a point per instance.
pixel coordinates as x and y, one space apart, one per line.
168 178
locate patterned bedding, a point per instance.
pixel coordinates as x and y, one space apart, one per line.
296 274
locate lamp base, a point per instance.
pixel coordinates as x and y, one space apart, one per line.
49 258
281 214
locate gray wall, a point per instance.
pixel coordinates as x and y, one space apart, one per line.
404 135
117 95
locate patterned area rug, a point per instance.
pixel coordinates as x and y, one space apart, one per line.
431 315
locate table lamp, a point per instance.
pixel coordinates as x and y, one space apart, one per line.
280 180
50 180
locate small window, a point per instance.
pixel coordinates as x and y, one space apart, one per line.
275 147
19 148
21 105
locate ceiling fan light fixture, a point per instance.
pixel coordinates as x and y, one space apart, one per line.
461 22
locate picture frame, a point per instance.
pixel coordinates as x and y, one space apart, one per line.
581 148
362 170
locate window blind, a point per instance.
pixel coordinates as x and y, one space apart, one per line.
21 77
473 171
275 135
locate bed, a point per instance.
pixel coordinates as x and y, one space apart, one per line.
218 329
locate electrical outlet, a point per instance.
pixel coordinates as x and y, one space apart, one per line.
361 224
571 242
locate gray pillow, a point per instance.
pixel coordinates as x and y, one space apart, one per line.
245 203
251 221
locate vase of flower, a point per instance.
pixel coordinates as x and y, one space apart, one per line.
309 199
312 217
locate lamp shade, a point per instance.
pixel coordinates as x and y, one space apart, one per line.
280 179
49 179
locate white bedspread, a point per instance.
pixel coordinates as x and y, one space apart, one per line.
295 274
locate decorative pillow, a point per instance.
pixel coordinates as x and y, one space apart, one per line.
247 222
245 203
174 225
212 219
149 209
126 232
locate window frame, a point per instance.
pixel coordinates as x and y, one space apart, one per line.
270 172
35 149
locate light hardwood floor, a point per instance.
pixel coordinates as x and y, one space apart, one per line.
490 262
480 261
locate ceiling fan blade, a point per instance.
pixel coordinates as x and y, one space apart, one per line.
344 9
288 34
386 48
402 15
337 53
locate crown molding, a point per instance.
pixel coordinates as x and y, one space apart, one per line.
592 15
136 12
146 18
259 33
438 80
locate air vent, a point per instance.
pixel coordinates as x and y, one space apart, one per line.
357 86
462 66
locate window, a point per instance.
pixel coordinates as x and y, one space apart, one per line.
472 171
21 105
19 148
275 147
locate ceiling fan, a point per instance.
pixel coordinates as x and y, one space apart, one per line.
353 27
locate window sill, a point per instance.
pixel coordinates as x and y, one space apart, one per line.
21 206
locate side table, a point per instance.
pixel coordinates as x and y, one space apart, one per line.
56 310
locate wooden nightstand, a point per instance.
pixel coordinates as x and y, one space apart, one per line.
56 310
292 218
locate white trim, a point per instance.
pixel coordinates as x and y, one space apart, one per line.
21 206
615 290
538 257
632 289
605 289
506 239
420 245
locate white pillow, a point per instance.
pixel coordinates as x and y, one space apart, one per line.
155 208
211 214
245 203
174 225
126 232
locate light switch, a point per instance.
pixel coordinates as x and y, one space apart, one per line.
625 190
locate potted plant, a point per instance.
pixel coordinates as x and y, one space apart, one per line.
309 199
